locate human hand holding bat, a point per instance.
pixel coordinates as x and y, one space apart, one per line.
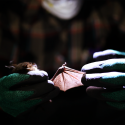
106 78
26 87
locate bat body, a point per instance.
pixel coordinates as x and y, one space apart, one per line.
23 67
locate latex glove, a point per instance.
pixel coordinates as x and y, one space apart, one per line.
106 79
108 54
20 92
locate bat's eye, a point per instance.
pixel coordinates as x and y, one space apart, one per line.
25 66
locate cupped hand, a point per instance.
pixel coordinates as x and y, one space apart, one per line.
106 79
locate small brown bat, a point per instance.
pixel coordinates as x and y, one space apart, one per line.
28 68
23 67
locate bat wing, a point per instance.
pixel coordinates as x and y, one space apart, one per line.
68 78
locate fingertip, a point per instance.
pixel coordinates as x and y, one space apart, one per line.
38 73
82 69
86 67
94 67
104 53
96 54
91 90
45 73
50 82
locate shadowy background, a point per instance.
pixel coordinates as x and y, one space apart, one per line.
29 33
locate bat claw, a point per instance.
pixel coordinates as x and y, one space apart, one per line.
64 64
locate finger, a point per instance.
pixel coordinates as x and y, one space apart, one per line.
109 79
92 67
15 96
112 95
117 95
45 90
12 79
117 105
33 79
41 87
96 92
37 90
38 73
108 54
106 65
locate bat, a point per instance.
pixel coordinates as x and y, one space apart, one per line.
66 78
23 67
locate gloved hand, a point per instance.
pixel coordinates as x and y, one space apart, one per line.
106 79
20 92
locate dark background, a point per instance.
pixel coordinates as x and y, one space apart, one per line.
29 33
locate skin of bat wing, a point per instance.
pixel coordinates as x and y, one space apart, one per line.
66 78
